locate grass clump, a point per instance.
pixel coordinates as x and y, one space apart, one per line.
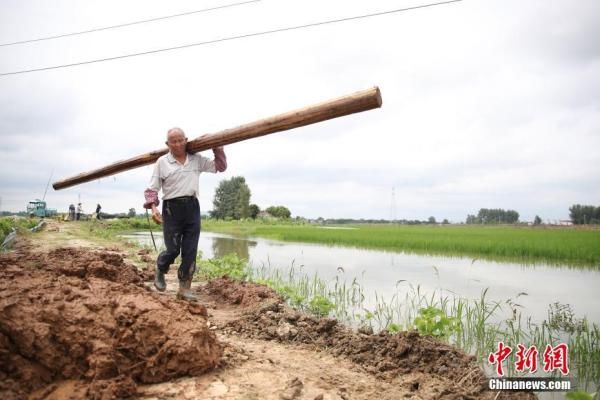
20 224
230 265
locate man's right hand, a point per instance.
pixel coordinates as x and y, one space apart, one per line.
156 215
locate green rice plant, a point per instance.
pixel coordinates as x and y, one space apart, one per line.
568 245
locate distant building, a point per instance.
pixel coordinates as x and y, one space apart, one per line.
265 215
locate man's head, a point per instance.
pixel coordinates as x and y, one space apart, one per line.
176 141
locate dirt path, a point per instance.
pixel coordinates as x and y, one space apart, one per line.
79 319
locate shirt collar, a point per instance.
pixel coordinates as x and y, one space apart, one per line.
172 159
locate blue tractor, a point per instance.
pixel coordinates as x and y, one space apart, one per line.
37 208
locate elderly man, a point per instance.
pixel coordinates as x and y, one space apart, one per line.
177 173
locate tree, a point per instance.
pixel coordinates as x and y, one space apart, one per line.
131 213
494 216
232 199
471 219
537 220
431 220
584 214
279 212
254 210
445 221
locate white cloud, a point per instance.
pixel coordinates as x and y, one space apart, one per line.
485 104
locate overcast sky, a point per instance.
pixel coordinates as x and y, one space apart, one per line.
486 103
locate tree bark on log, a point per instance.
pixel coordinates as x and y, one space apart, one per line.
357 102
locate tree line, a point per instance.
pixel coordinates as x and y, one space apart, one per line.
232 201
581 215
493 216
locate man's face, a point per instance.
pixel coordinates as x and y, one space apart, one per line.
176 141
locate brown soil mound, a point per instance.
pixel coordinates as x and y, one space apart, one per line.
385 355
72 314
244 294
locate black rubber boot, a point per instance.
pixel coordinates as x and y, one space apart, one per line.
159 280
185 291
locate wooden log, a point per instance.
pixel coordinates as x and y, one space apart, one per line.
346 105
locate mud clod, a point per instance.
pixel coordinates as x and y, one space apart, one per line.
84 316
244 294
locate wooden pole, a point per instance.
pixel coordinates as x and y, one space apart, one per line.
346 105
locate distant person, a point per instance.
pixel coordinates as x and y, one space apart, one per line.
79 211
177 173
72 212
98 208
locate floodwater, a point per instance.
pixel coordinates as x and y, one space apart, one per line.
387 273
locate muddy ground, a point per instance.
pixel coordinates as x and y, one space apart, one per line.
80 319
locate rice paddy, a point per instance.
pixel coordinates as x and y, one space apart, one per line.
530 245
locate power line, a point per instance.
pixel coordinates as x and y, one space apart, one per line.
229 38
127 24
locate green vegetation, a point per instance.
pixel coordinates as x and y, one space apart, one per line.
230 265
570 246
474 325
232 199
580 395
432 321
110 229
494 216
20 224
279 212
584 214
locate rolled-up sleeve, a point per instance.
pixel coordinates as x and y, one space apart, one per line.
219 164
155 181
220 159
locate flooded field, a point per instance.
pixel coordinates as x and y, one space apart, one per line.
385 272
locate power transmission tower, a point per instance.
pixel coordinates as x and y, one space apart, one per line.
393 207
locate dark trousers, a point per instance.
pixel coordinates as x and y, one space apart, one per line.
181 231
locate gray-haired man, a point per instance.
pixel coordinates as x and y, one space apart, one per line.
177 173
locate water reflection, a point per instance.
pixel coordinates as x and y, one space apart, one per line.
222 246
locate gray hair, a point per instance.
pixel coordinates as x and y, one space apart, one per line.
175 130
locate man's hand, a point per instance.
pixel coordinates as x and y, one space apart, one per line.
156 215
